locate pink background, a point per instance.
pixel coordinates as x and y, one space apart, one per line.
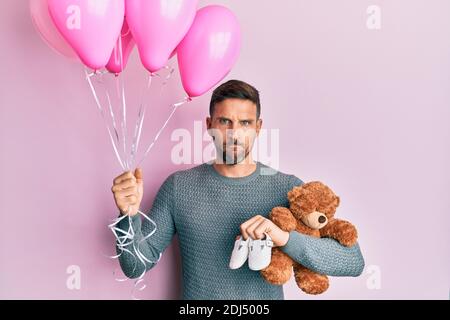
366 111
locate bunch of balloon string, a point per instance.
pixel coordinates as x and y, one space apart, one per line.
109 93
102 34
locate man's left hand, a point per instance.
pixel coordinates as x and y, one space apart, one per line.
258 226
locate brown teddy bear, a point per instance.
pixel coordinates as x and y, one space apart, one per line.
311 212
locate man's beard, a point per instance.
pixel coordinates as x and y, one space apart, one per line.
234 157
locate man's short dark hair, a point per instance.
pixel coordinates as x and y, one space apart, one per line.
235 89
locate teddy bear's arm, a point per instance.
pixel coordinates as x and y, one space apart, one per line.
283 218
340 230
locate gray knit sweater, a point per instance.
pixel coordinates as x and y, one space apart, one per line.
206 209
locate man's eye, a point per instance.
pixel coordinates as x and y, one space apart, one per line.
223 121
245 123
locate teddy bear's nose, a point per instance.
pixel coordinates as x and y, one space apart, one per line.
322 219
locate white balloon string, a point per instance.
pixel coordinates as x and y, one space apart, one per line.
140 120
146 237
127 239
166 78
174 108
102 113
111 111
119 81
143 109
169 76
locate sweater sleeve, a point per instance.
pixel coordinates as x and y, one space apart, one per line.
324 255
151 248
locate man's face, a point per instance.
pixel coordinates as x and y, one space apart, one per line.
234 128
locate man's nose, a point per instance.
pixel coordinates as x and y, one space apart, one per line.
232 134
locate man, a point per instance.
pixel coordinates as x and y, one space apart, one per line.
210 204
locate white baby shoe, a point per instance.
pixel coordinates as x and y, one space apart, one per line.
260 253
239 254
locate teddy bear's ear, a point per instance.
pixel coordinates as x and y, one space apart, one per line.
293 193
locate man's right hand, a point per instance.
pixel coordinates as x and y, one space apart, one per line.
128 189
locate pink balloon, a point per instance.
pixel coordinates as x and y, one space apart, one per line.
115 65
91 27
47 29
158 26
209 50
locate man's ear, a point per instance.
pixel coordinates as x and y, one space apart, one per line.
208 127
259 123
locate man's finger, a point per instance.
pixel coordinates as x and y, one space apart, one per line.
127 182
251 229
124 185
123 176
250 221
138 174
132 200
124 208
126 192
263 228
244 226
128 201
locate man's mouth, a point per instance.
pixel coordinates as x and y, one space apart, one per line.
232 145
